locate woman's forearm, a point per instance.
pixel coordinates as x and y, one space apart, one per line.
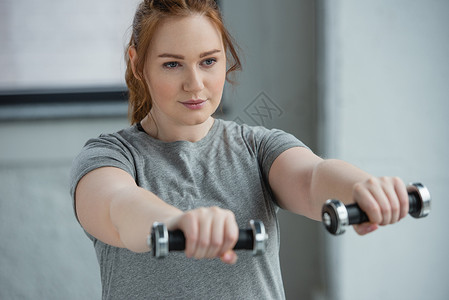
112 208
335 179
133 211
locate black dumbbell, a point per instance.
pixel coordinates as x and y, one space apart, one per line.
336 216
161 241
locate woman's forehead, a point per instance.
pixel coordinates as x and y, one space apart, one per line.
190 35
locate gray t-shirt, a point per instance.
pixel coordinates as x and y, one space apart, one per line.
227 168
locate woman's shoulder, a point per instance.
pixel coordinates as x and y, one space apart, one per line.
123 137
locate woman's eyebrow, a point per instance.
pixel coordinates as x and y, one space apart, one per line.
168 55
207 53
178 56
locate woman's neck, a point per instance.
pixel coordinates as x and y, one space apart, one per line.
173 132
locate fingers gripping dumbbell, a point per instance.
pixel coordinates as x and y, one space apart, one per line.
161 241
336 216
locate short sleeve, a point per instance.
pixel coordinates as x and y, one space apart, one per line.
273 143
104 151
268 144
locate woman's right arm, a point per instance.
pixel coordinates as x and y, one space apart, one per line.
112 208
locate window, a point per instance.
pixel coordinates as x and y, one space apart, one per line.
56 54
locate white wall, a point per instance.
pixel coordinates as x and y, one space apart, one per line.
385 79
44 252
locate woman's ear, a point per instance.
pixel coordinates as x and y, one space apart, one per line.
132 53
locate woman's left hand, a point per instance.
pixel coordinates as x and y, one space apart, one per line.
383 199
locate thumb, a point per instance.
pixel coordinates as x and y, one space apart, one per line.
229 257
365 228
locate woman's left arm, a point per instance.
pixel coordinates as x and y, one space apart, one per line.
302 182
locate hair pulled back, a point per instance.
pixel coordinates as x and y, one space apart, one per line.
148 16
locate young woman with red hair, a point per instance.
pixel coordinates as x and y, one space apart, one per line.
178 165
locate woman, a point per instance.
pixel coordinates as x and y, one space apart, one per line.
178 165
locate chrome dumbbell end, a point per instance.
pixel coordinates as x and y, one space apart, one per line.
158 240
335 217
422 207
260 237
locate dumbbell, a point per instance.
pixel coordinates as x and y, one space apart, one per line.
161 241
336 216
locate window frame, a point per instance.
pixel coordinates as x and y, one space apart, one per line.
63 103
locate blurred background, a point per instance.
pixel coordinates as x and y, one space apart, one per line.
363 81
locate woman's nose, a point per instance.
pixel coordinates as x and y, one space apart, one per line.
193 81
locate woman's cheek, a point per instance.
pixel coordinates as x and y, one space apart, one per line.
165 89
218 84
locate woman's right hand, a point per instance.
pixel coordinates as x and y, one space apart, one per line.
210 232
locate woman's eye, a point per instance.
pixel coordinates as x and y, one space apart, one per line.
209 62
171 65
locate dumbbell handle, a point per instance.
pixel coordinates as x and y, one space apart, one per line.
357 216
177 240
161 241
336 216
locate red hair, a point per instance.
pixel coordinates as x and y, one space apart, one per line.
148 16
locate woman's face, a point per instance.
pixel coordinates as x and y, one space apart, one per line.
185 70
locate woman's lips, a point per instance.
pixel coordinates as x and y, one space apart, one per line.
194 104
